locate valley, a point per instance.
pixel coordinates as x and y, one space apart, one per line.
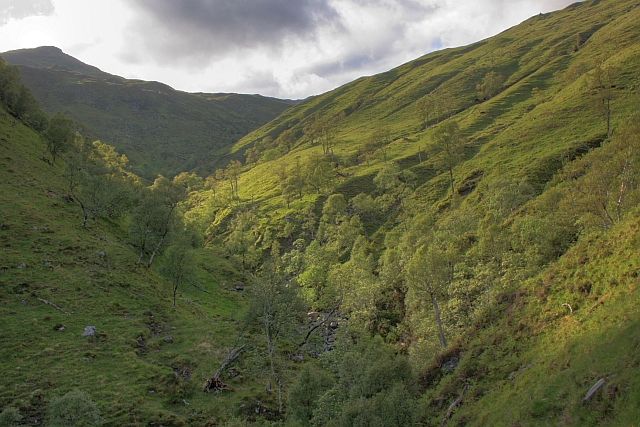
455 241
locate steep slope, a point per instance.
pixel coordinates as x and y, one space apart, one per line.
541 301
147 362
160 129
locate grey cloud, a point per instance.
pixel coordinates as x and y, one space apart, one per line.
206 29
355 61
19 9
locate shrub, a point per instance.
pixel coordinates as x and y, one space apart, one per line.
74 409
10 417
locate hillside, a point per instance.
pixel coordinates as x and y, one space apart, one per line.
453 242
514 208
148 360
161 130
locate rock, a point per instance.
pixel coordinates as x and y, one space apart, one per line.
450 364
59 327
168 339
333 324
101 254
89 331
21 266
313 316
239 287
297 357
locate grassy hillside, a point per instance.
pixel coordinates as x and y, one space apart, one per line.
483 277
148 361
161 130
545 95
541 303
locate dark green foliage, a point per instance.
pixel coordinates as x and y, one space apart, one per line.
10 417
155 218
74 409
60 134
18 100
371 388
161 130
178 266
276 309
304 394
98 180
490 85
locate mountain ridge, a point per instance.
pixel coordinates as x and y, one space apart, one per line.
161 129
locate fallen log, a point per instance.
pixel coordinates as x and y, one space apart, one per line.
453 406
215 383
57 307
593 390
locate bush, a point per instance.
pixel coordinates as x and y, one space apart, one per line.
10 417
74 409
304 393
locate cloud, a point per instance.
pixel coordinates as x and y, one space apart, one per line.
202 30
294 48
19 9
284 48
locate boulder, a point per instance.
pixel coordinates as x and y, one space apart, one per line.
89 331
313 316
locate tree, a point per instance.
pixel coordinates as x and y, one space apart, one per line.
276 308
490 85
97 180
291 181
449 139
428 272
378 141
304 393
334 208
318 260
242 237
18 100
356 282
605 183
320 174
601 84
190 181
322 131
232 174
178 266
394 185
430 107
286 139
60 135
155 218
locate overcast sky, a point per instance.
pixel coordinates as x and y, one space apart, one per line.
283 48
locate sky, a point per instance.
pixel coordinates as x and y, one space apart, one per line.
282 48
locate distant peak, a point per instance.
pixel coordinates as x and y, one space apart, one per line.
50 57
55 49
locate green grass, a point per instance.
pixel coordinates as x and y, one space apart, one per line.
529 361
532 359
128 369
518 133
